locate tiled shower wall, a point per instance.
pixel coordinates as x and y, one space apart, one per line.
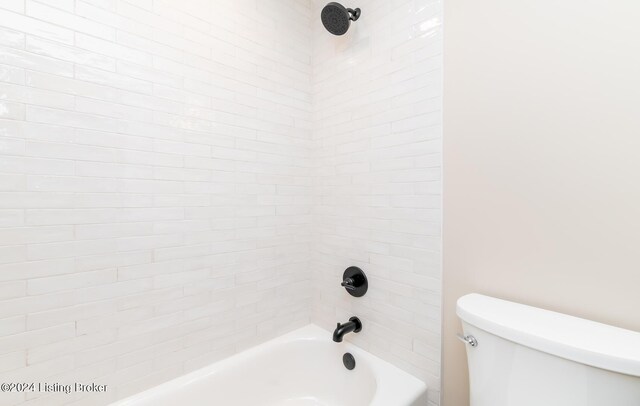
173 174
155 187
377 140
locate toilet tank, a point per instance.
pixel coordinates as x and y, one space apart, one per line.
527 356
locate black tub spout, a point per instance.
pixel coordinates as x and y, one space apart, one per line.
353 325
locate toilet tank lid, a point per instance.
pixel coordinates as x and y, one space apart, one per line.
580 340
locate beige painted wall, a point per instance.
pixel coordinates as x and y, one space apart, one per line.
541 161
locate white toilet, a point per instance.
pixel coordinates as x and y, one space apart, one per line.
524 356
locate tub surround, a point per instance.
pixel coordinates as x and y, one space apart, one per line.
183 179
377 146
155 187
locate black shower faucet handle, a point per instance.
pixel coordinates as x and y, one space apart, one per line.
348 284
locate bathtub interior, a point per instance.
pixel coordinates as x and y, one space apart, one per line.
302 368
304 372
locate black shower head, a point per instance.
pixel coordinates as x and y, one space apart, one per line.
337 19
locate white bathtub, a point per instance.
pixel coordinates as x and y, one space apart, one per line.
302 368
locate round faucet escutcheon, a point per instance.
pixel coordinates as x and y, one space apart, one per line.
355 281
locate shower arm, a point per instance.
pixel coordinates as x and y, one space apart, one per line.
355 14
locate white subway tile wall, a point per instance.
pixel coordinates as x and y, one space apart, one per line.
155 187
377 147
182 179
